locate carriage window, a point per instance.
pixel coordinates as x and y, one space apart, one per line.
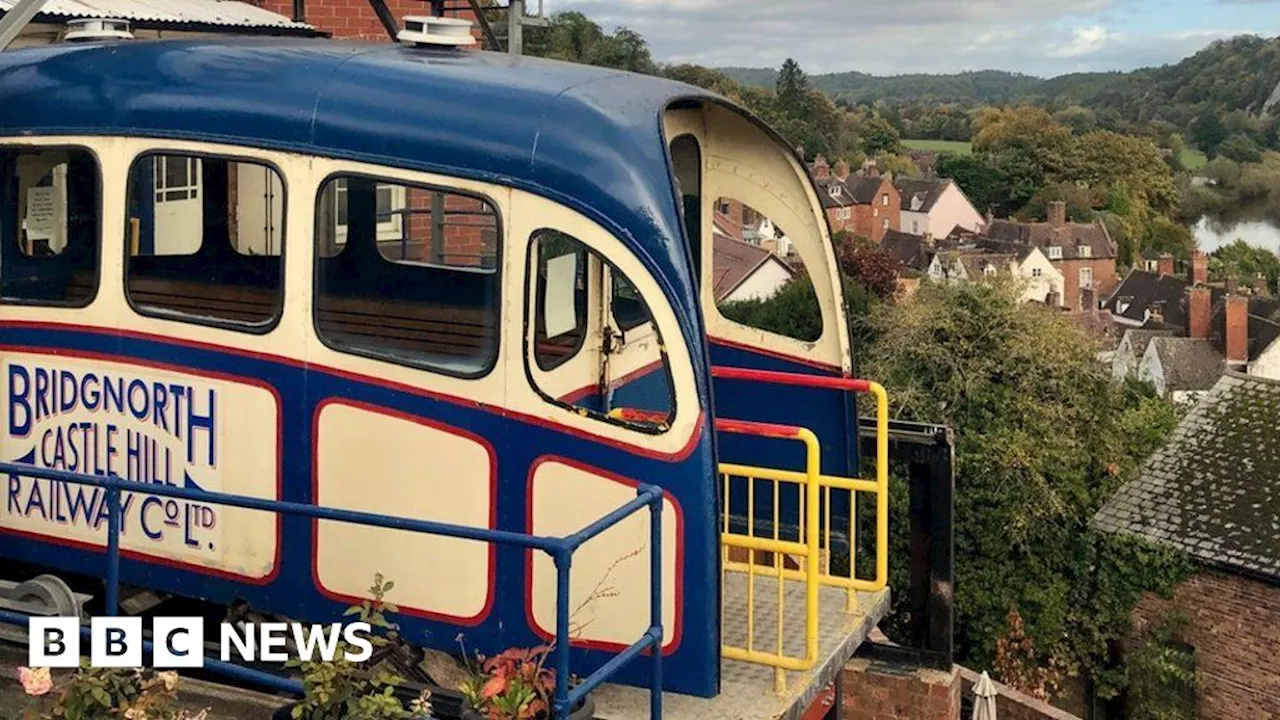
424 295
686 159
755 270
49 223
610 365
204 239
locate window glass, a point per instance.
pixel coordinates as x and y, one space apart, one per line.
609 365
49 226
424 295
757 274
204 240
686 157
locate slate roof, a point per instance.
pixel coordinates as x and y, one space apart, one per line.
1189 363
1264 324
1141 290
1068 237
976 263
925 191
854 190
734 261
1139 338
911 251
1213 490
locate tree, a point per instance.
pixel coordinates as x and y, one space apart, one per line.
868 265
793 88
1208 132
1241 148
1167 236
574 37
898 165
1079 119
1044 436
794 312
1245 260
879 136
986 185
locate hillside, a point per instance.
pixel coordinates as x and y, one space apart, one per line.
1241 73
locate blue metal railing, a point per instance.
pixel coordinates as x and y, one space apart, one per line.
560 549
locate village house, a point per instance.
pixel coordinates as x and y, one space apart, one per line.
1043 282
1210 492
1082 252
1242 330
936 207
1181 369
865 204
746 272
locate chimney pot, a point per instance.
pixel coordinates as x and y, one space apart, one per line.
1057 213
1237 328
842 169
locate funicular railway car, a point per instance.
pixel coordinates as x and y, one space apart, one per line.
432 283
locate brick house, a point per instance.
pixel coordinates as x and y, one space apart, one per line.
353 19
865 204
1210 492
1082 252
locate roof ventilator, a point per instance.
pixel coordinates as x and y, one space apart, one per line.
436 32
89 29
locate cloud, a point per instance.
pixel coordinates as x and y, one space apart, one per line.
1038 37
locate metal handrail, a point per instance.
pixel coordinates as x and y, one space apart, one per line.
560 549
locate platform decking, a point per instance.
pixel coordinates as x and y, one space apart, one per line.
746 689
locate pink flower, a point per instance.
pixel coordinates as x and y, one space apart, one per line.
35 682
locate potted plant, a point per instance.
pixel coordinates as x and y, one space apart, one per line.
104 694
514 685
345 690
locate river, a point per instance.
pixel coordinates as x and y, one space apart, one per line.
1211 235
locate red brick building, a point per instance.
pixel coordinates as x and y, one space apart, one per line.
865 204
1210 493
352 19
1083 252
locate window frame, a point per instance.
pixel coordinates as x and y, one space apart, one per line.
527 351
149 154
7 146
540 301
388 177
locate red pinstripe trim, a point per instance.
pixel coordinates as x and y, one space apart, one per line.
786 378
746 427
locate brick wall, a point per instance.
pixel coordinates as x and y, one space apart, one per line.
351 19
884 691
1234 626
868 219
1104 279
1012 704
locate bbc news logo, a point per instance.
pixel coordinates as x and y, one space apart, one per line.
178 642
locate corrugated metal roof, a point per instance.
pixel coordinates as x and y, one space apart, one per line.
227 13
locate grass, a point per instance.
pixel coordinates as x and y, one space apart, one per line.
1193 159
953 146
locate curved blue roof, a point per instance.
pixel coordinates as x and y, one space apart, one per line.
587 137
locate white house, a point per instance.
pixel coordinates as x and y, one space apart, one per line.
1040 278
745 272
936 207
1182 369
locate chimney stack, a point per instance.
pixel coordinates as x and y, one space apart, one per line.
1089 300
821 170
869 168
1260 287
1199 268
1164 265
1057 213
1199 310
1237 328
842 169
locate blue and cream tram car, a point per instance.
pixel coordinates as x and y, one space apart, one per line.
422 282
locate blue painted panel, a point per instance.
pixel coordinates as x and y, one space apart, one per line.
830 414
693 665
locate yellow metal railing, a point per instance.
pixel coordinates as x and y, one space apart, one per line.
810 545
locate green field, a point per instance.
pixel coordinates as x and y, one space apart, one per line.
953 146
1193 159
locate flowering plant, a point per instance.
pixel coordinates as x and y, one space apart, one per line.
513 685
100 693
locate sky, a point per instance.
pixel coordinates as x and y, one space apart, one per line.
890 37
